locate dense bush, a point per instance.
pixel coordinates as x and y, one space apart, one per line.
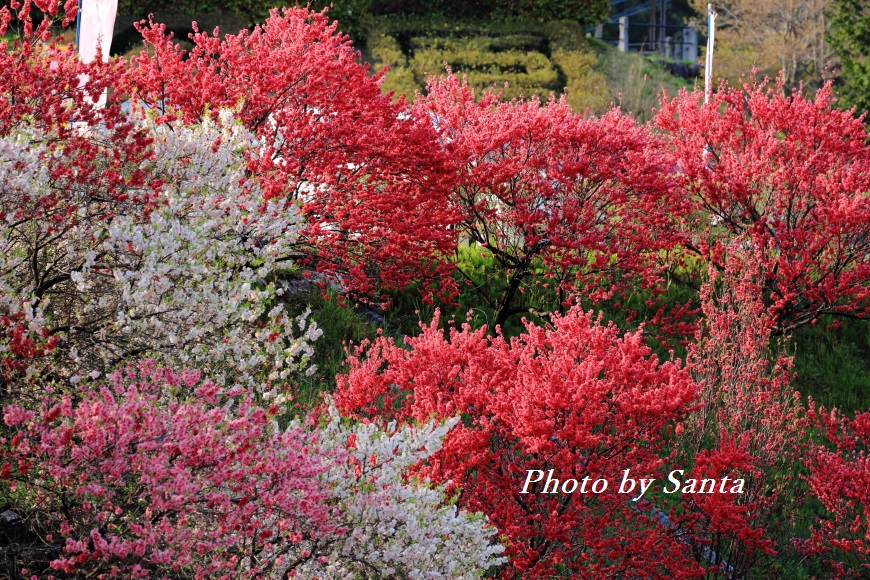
577 398
787 176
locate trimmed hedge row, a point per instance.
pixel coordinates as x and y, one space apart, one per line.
532 58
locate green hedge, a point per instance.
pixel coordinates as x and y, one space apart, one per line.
534 58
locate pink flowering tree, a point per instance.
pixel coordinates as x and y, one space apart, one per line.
148 475
161 473
750 424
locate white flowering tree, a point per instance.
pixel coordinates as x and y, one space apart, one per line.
179 261
390 527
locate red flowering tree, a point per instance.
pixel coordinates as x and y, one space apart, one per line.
750 425
365 172
788 176
577 399
840 479
555 197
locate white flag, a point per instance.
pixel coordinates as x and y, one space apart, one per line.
96 25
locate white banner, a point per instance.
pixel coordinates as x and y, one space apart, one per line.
96 26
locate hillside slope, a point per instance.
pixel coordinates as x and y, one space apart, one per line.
533 58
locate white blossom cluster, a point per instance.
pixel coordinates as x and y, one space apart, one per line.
191 283
20 167
394 527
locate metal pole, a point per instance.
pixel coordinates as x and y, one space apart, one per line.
78 24
664 31
708 66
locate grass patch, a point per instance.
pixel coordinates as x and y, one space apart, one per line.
833 364
341 326
635 82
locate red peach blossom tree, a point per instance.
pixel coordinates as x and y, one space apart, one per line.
750 424
786 175
577 398
840 479
364 170
555 197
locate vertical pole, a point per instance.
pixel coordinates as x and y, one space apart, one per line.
690 44
599 31
708 66
78 24
623 33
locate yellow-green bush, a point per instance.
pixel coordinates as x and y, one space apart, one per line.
385 51
526 72
534 58
586 87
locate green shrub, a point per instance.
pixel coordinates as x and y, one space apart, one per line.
384 51
556 57
522 71
586 88
341 325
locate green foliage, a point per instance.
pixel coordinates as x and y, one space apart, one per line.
384 51
850 40
525 73
833 364
635 83
534 58
341 325
582 11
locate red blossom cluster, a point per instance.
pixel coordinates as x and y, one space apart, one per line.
840 478
578 398
553 196
365 172
787 176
